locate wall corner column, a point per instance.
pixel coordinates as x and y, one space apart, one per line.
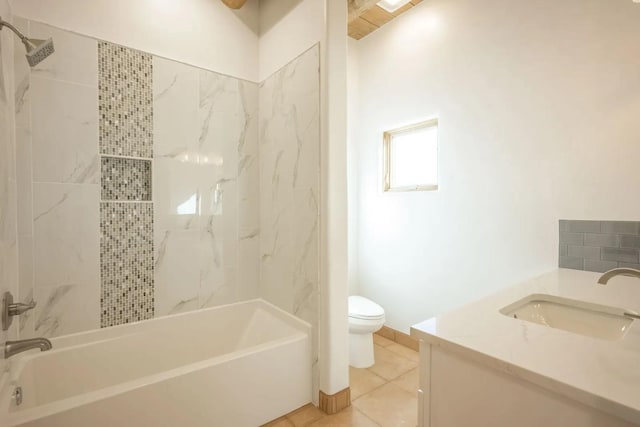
334 335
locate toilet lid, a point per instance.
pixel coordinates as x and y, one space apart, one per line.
362 308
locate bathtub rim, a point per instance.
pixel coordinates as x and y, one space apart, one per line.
111 331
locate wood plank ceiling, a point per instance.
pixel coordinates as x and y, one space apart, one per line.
365 16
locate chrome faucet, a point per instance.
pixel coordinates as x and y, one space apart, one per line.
12 348
604 279
618 272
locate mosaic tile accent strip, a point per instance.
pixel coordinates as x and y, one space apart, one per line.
599 245
126 179
125 97
126 263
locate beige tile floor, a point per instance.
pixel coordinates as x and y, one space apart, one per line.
383 395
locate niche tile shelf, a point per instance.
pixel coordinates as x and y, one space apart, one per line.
125 179
125 99
126 263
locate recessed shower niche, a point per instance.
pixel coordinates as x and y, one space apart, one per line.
125 179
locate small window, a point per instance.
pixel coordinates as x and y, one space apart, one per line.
411 157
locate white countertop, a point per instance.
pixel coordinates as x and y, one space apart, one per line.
599 373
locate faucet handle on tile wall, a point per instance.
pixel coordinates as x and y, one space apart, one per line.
17 309
10 309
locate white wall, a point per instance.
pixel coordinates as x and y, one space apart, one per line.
287 28
204 33
352 162
334 344
538 105
251 43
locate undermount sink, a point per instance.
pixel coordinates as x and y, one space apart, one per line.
592 320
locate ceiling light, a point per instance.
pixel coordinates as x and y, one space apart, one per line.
393 5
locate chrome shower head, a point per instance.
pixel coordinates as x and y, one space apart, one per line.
37 50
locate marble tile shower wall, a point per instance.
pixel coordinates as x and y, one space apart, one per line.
58 167
232 196
8 201
202 149
205 179
289 188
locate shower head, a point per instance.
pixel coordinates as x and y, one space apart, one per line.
37 50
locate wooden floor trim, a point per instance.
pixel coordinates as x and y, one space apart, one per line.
332 404
399 337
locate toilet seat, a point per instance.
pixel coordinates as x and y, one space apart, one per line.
364 309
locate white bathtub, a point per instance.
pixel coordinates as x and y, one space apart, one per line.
237 365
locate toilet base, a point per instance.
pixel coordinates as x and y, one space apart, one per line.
361 350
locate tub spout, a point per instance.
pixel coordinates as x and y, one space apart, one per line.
12 348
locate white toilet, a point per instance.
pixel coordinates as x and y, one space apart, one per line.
365 318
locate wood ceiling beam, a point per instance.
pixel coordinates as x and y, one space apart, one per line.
365 16
234 4
358 7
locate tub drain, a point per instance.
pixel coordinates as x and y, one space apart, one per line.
17 395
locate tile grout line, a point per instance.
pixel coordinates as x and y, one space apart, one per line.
386 382
375 389
367 416
372 390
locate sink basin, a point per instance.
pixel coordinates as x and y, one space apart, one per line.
579 317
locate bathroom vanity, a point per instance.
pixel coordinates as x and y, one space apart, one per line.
557 350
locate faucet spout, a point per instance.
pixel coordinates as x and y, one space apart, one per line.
12 348
604 279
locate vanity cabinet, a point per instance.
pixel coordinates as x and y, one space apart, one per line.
482 366
456 390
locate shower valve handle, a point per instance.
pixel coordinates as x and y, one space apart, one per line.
19 308
9 309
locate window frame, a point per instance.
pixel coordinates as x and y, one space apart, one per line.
387 139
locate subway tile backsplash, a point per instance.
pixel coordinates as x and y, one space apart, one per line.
599 245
